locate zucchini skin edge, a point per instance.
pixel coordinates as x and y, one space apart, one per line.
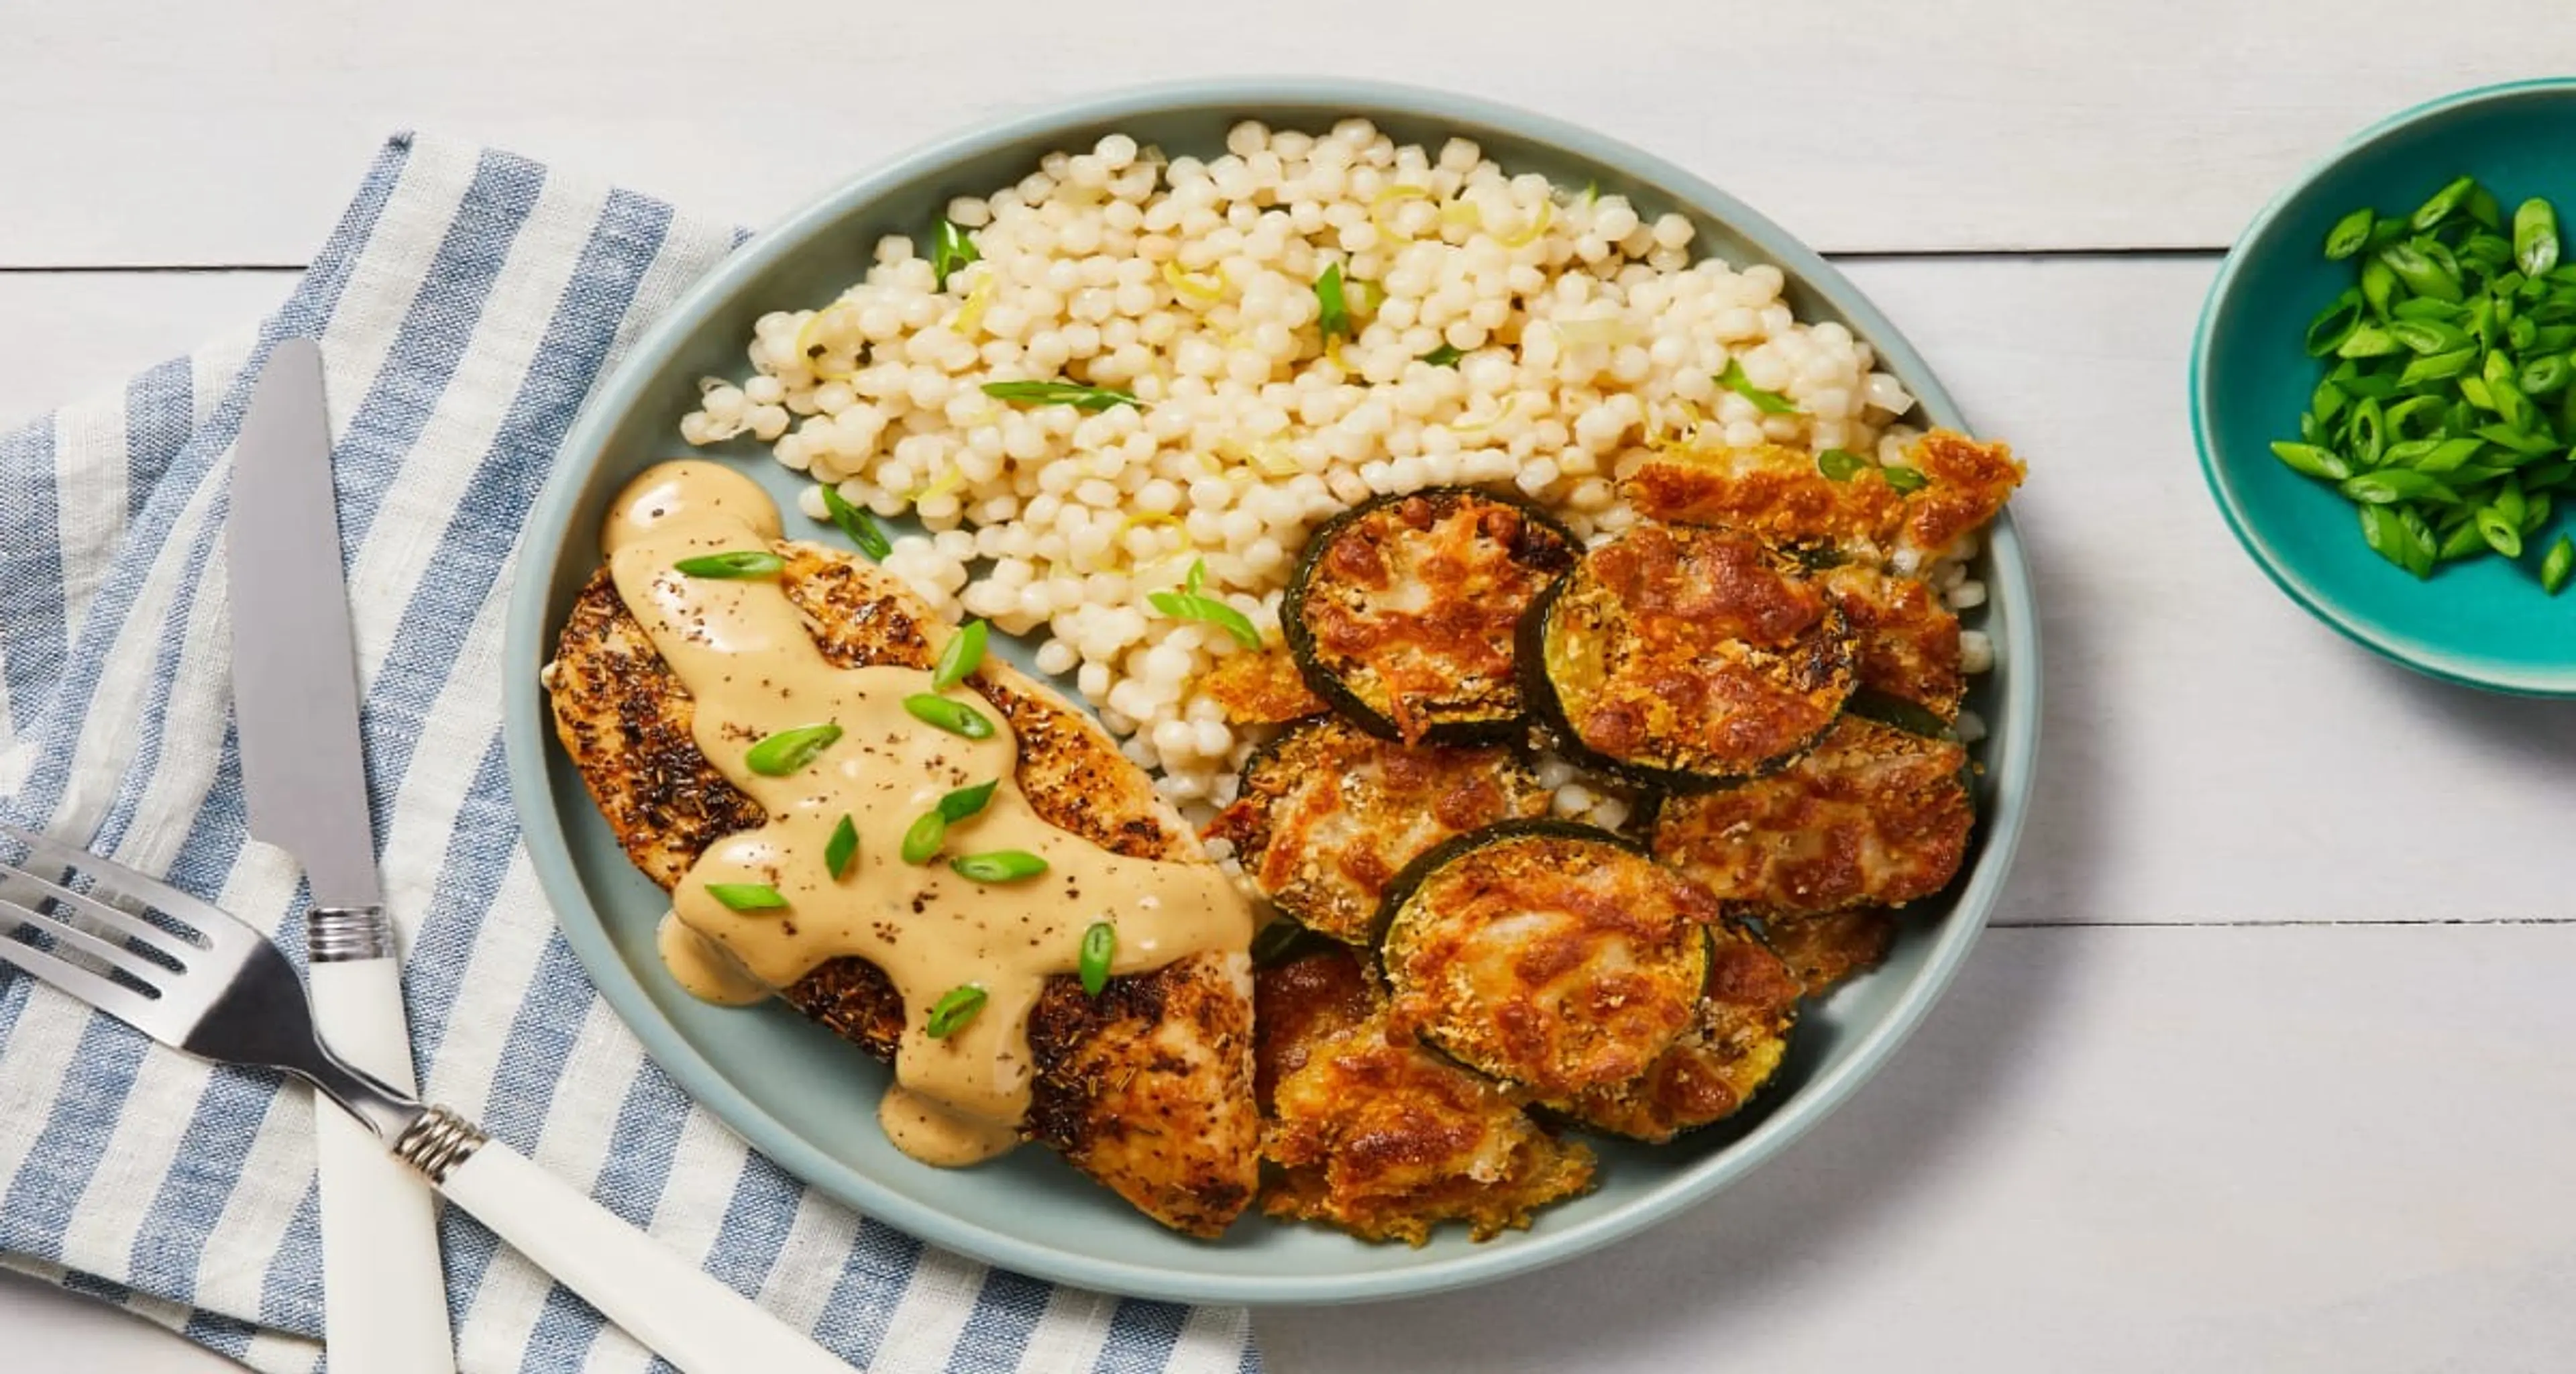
1345 702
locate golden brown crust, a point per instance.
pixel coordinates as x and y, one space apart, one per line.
1149 1089
1732 1049
1412 605
1695 650
1329 814
1381 1139
1777 492
1970 483
1875 816
1905 642
1826 947
1769 490
1558 962
1132 1084
1260 689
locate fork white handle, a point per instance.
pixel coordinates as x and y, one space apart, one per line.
672 1306
382 1289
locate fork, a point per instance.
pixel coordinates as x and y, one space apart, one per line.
216 988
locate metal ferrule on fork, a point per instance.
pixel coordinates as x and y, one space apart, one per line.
438 1142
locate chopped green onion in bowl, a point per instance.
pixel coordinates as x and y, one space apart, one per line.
2445 411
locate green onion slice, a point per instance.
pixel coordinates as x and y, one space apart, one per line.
1768 402
747 896
2535 237
1099 945
921 839
955 717
2349 234
860 526
954 1009
1905 479
1333 315
841 848
2437 209
1073 394
1446 355
1840 464
951 248
966 801
963 653
2556 564
740 563
1190 604
999 866
788 750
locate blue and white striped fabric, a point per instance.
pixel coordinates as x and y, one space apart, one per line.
465 304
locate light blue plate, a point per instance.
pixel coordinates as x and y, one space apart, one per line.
808 1100
2484 623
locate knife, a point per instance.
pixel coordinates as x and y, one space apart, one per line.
295 700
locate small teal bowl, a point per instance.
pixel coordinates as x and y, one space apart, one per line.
2484 623
808 1100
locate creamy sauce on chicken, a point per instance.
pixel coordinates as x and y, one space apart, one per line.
742 650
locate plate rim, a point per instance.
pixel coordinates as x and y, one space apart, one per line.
2011 754
2435 661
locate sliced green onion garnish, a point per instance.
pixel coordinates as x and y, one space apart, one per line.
841 848
2437 209
1189 604
2556 564
921 840
746 896
1073 394
860 526
2313 460
955 717
963 653
950 248
966 801
1840 464
788 750
1905 479
1333 314
1768 402
740 563
2535 237
1446 355
999 866
1099 945
953 1010
2349 234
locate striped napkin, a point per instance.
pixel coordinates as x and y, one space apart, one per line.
465 304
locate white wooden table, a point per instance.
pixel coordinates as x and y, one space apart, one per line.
2267 1064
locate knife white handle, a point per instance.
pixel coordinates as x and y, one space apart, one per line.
676 1309
384 1294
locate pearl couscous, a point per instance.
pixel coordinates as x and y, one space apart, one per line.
1489 329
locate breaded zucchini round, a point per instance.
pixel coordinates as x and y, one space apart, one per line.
1402 611
1329 814
1732 1048
1555 956
1873 816
1686 658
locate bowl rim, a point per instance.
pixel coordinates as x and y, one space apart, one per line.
2432 660
2011 752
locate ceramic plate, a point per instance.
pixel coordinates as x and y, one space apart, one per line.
808 1100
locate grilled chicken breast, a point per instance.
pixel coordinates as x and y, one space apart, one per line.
1148 1087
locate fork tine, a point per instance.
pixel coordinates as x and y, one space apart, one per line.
148 1015
123 922
116 956
222 929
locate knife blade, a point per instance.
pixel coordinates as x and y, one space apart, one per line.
295 663
303 760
